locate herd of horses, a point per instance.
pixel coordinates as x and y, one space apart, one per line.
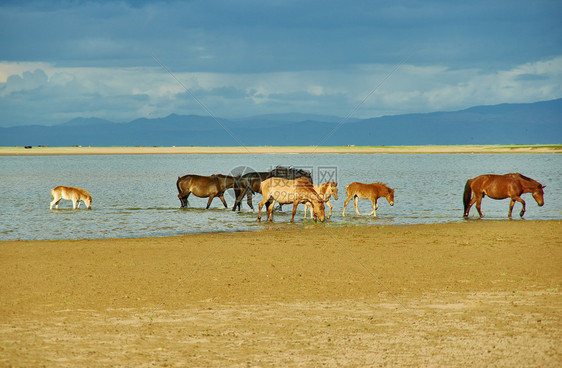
294 186
287 185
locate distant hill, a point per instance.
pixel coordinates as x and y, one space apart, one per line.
531 123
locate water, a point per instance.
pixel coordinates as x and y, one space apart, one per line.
136 195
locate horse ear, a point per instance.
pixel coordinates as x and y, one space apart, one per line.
543 186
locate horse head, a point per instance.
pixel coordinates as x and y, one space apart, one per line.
319 210
334 189
538 194
390 196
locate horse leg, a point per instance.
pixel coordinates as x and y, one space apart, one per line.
329 205
375 207
344 205
305 207
221 197
236 201
478 201
469 204
54 202
211 197
355 200
74 204
270 210
260 205
295 204
523 209
249 199
183 199
512 203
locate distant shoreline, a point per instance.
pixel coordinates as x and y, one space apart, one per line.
5 151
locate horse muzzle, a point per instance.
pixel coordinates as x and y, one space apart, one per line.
392 203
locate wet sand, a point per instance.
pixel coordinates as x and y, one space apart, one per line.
479 293
278 150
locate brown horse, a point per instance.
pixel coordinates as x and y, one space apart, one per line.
204 186
372 191
325 191
501 187
287 191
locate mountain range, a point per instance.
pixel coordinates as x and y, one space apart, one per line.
523 123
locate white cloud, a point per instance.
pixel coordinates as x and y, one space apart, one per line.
33 92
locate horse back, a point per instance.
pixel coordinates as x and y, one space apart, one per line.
366 191
70 193
288 191
497 186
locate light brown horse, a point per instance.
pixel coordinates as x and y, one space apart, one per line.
287 191
372 192
204 186
325 191
72 194
501 187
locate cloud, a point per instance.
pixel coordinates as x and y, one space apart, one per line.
64 59
254 36
54 95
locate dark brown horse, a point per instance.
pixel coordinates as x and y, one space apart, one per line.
204 186
501 187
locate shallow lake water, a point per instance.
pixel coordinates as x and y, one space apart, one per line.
136 195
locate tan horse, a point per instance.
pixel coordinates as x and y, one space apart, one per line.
72 194
325 191
203 187
501 187
368 191
287 191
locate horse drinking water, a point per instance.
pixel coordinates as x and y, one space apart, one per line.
203 187
372 192
72 194
287 191
501 187
325 191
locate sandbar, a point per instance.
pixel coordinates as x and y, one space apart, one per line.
279 150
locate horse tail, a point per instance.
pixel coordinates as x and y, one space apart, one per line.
467 194
178 184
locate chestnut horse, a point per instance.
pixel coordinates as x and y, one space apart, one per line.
204 186
72 194
501 187
325 191
372 192
287 191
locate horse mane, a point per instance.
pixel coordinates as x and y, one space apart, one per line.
386 187
526 178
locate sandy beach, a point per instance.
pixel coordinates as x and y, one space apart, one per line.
481 293
278 150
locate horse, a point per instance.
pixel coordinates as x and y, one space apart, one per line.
249 183
501 187
287 191
72 194
246 185
372 191
325 191
204 186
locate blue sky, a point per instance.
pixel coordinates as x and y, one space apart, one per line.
64 59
